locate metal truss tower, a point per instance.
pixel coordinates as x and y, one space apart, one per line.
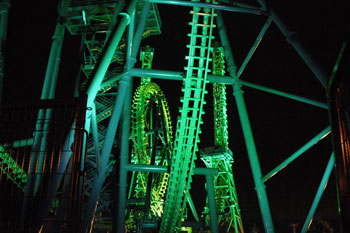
108 160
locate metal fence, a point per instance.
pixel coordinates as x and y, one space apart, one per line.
41 161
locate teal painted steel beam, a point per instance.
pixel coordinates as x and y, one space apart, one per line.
139 30
255 45
105 154
253 159
110 81
286 95
225 42
108 52
291 38
179 76
124 155
146 168
320 190
212 204
95 137
192 207
296 154
249 10
247 131
43 119
125 128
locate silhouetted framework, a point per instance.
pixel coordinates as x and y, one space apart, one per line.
56 201
339 101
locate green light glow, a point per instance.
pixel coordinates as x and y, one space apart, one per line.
220 157
10 167
148 101
188 124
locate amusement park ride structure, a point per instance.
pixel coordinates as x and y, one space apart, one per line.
116 162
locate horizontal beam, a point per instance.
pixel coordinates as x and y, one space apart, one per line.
179 76
146 168
249 10
163 169
286 95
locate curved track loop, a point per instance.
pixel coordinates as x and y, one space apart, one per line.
152 138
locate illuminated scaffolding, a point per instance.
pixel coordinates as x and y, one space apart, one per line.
147 188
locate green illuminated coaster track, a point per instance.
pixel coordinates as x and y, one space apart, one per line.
152 139
188 125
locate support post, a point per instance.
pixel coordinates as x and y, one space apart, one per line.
253 159
319 193
296 154
125 131
247 131
105 154
107 54
255 45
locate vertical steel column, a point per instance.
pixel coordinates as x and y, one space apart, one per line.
125 128
105 154
291 38
247 131
212 203
139 31
124 154
3 32
319 193
253 159
93 88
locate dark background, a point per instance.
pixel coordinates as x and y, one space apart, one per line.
280 126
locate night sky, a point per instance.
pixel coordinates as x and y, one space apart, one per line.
280 126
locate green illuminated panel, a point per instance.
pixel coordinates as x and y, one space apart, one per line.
146 57
11 168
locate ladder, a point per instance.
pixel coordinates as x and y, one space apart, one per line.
188 124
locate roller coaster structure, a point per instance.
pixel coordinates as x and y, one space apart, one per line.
124 166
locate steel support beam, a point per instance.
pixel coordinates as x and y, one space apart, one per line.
286 95
296 154
125 130
212 203
178 76
107 53
291 38
247 131
95 137
255 45
321 188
